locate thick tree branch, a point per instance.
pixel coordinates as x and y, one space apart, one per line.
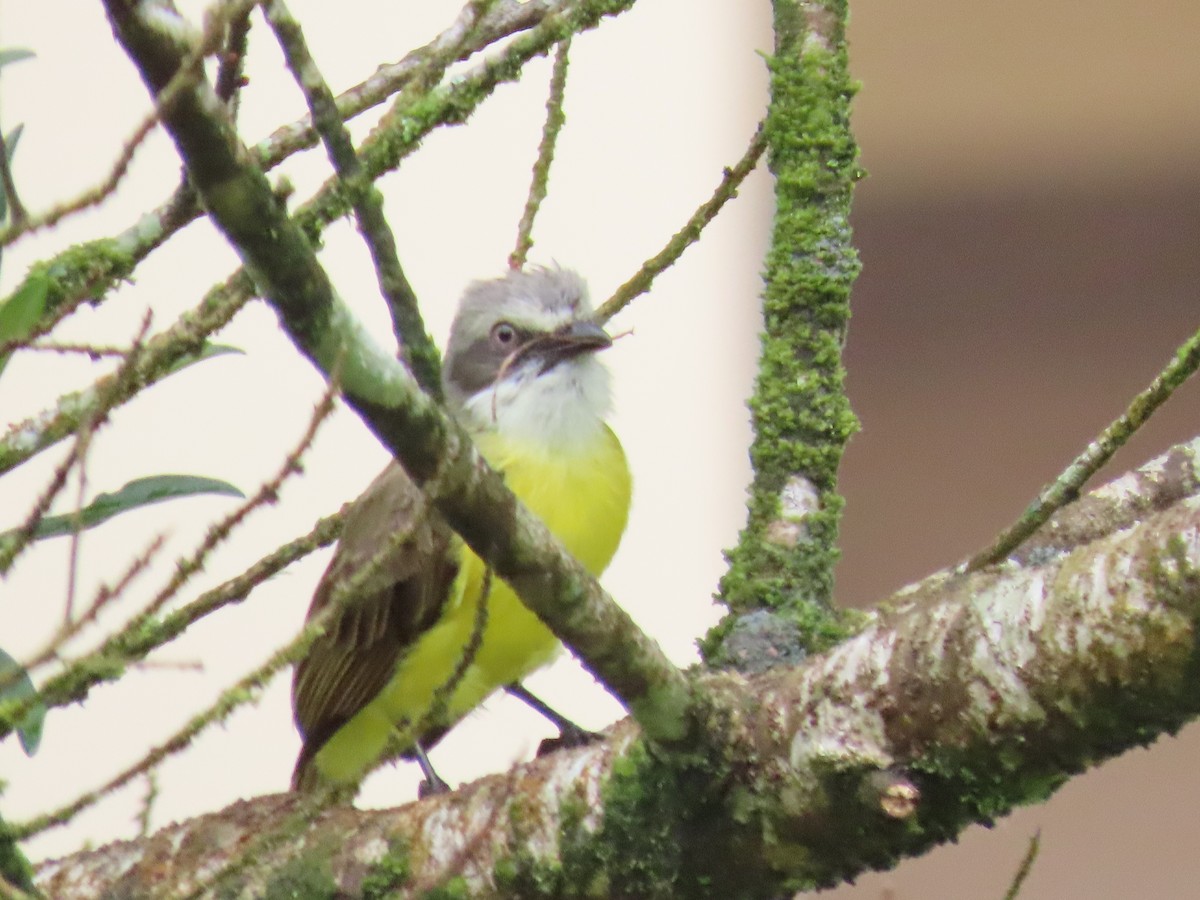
782 566
966 696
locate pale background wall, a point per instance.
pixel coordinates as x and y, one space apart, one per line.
1028 234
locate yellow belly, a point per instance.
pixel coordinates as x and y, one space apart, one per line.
584 499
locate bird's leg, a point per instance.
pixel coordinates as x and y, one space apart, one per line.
433 783
569 734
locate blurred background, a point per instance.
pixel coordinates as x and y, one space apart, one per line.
1029 236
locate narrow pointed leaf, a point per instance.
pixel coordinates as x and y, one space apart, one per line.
20 313
10 147
14 54
134 495
208 351
15 685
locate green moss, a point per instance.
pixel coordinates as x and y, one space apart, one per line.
86 271
304 877
455 888
393 870
661 834
523 875
801 416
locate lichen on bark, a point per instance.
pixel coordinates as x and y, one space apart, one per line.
784 559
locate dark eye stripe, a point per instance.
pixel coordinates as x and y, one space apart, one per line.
476 367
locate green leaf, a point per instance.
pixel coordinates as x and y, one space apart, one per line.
208 351
12 139
14 866
14 54
15 685
137 493
10 147
21 312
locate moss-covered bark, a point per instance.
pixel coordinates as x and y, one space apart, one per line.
967 696
802 420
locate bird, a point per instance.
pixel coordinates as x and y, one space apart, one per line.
412 652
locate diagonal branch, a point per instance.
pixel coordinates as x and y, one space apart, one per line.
416 346
434 450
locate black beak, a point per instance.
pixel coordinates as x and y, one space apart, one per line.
570 341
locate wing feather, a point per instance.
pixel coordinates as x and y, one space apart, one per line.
356 657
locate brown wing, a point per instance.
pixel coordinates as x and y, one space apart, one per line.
356 657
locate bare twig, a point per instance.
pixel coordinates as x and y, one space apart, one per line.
83 277
104 596
445 691
142 635
48 322
187 74
16 542
147 805
230 74
1067 486
94 351
186 337
266 494
555 117
416 346
244 691
689 234
1035 845
85 443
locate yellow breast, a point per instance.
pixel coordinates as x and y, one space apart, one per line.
583 497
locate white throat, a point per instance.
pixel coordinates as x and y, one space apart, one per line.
559 410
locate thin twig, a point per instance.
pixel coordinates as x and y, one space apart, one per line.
266 494
250 855
1066 487
1035 845
246 690
188 73
94 351
16 542
445 691
467 35
104 596
100 665
143 635
689 234
147 806
47 323
555 118
416 346
85 443
26 439
231 72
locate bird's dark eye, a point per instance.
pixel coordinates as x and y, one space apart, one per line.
504 336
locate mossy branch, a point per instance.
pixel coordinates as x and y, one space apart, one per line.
928 720
416 346
434 450
1066 487
783 562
